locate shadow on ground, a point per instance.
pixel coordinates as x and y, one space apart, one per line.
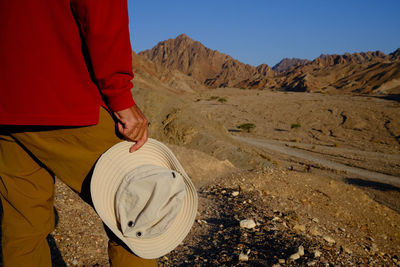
393 97
218 239
370 184
385 194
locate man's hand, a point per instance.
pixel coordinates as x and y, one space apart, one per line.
132 124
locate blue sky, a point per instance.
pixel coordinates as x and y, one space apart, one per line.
257 31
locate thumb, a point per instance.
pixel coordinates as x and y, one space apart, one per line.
120 127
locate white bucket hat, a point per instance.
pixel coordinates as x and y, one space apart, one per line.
145 197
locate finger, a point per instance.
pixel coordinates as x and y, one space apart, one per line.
142 138
127 132
139 143
120 127
134 133
139 134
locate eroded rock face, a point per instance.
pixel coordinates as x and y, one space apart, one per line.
367 73
210 67
287 63
396 54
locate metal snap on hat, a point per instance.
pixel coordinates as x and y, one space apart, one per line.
144 197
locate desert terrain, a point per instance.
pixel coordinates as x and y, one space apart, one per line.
338 217
307 152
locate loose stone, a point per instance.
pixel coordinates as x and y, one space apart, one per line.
299 227
347 250
329 239
316 220
315 232
248 224
301 251
243 257
235 193
294 256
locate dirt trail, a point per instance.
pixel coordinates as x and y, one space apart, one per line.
281 148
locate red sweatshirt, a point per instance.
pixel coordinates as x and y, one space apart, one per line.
58 58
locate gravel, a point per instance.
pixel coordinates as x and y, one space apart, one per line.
217 238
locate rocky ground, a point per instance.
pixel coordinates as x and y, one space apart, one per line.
261 217
319 217
258 207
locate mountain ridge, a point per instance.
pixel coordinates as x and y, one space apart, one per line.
363 72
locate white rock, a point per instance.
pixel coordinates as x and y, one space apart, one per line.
347 250
317 254
243 257
276 265
294 256
299 227
301 251
249 224
235 193
281 261
316 220
329 239
223 191
311 263
315 232
200 221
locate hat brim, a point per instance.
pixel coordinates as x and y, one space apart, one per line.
107 176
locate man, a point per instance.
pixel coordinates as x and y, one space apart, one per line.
65 68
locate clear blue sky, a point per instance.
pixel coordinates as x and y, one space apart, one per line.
265 31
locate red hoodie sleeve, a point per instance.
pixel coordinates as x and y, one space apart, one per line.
105 31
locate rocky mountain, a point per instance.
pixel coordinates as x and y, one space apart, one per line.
370 72
396 54
210 67
347 58
185 64
149 75
286 63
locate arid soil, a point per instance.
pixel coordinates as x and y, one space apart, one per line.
339 222
337 219
305 214
355 130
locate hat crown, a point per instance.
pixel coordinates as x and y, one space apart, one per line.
110 170
148 200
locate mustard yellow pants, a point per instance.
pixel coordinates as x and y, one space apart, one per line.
29 159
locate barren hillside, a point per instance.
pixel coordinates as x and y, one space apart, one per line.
210 67
365 72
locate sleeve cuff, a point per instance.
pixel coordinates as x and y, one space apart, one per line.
121 102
